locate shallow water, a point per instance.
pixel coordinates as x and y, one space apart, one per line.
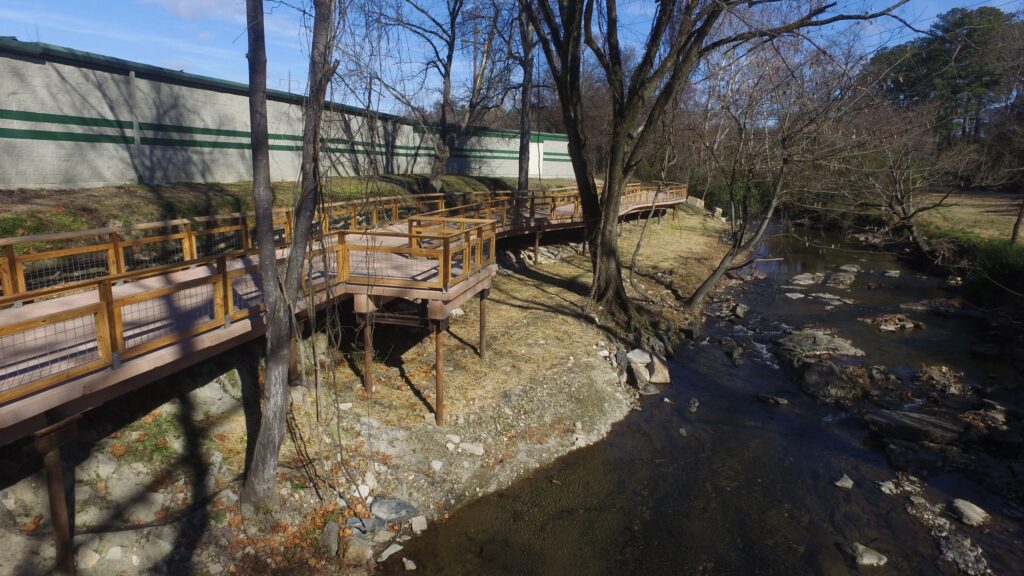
749 488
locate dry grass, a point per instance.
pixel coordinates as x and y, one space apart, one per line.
537 320
982 214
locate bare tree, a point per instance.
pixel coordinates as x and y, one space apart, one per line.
432 42
280 294
526 43
680 35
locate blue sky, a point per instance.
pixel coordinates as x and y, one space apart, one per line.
208 36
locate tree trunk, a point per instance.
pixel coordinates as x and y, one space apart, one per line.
739 245
261 479
608 289
1018 226
526 37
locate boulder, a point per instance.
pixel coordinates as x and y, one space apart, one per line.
773 400
418 524
841 280
970 513
659 370
813 342
740 310
893 323
914 426
807 279
865 556
825 381
846 483
356 550
393 509
851 268
942 379
329 538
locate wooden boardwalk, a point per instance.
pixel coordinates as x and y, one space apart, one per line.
88 316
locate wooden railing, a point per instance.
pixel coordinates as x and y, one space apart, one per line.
29 263
130 305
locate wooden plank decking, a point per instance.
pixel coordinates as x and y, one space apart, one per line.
82 324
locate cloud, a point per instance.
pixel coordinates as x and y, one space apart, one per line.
58 21
201 9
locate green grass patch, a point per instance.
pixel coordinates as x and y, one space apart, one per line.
995 266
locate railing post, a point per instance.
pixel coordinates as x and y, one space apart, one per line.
341 258
246 240
118 254
8 271
114 330
227 302
188 243
446 263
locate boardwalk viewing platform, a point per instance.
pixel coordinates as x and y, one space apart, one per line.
87 316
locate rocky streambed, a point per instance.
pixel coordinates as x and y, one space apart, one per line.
840 414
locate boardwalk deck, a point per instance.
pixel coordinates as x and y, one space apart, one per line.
82 324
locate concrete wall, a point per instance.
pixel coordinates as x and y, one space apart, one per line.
71 120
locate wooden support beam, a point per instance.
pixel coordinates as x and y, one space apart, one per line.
368 353
439 372
483 325
48 442
536 246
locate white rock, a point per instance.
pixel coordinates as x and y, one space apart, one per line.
388 552
639 356
892 273
659 370
845 482
450 446
453 438
86 558
409 564
436 465
794 295
475 448
458 313
345 406
115 553
867 556
418 524
363 490
604 353
970 513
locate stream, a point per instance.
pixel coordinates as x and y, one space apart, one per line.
707 478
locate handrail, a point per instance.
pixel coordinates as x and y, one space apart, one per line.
437 250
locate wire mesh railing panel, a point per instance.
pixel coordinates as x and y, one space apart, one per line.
150 254
217 243
247 292
366 267
174 313
43 273
47 350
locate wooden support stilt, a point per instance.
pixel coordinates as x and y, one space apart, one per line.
439 373
293 362
368 353
483 325
536 246
48 442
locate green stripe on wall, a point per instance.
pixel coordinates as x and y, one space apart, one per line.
20 134
62 119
